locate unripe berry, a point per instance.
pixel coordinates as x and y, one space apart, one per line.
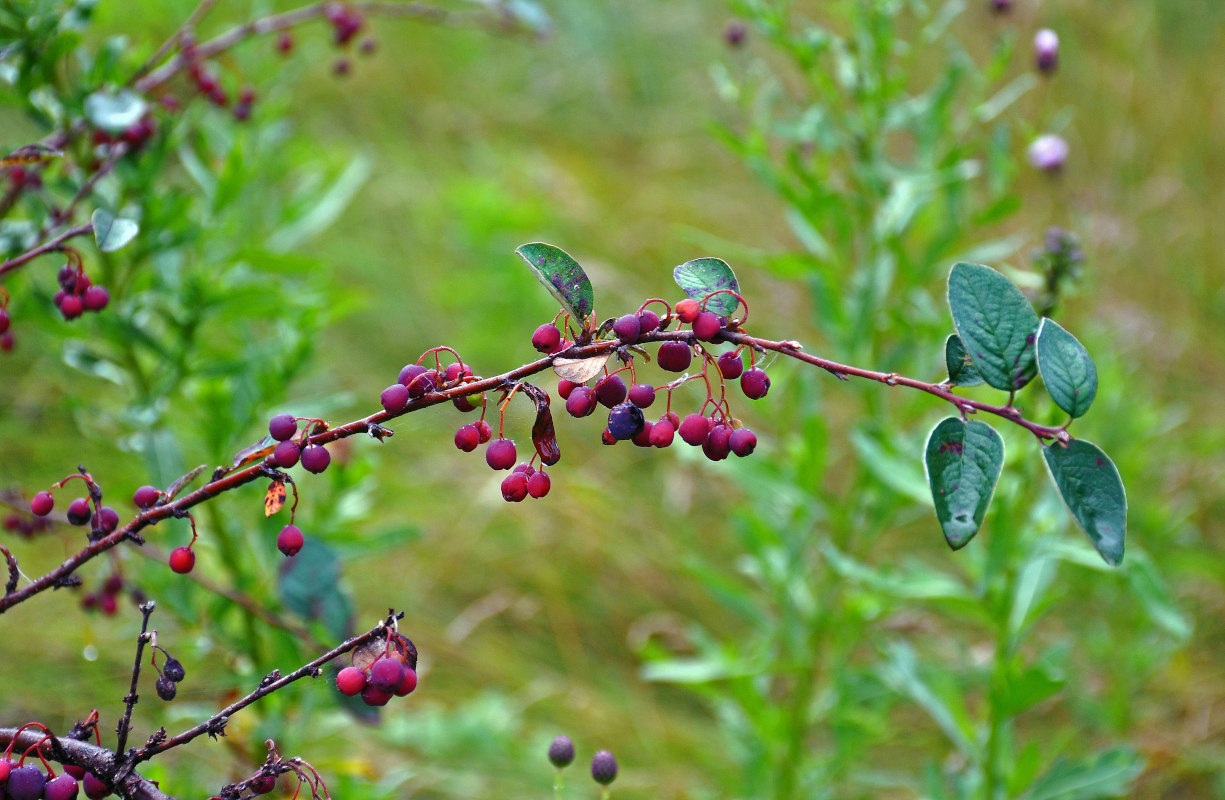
394 398
604 768
482 428
78 511
717 444
707 326
694 429
386 674
674 356
581 402
286 454
290 540
627 328
501 454
182 559
26 783
467 403
166 688
743 441
625 421
41 504
755 383
538 484
282 427
350 681
95 298
662 433
642 395
648 321
408 684
467 438
514 487
687 310
561 752
146 497
730 365
373 697
316 458
610 391
547 338
173 669
61 787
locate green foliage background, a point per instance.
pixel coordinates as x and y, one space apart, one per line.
460 146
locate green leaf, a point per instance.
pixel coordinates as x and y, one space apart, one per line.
111 232
701 276
115 112
562 276
963 462
309 585
962 371
1090 484
1110 774
1067 370
996 324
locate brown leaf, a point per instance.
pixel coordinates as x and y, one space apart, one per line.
543 435
274 498
579 370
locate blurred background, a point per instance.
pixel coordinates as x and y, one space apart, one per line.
627 609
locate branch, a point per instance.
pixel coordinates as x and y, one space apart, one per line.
125 724
55 244
98 760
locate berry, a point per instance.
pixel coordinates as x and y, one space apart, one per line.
286 454
643 437
6 767
341 67
607 438
581 402
106 520
674 356
182 559
525 468
67 277
95 298
610 391
26 783
482 428
466 403
625 421
289 541
166 688
707 326
262 784
146 497
108 605
547 338
538 484
42 504
456 371
1001 6
648 321
419 380
694 429
743 441
81 284
316 458
408 684
467 438
61 787
561 752
4 320
173 669
565 387
282 427
373 697
95 789
687 310
350 681
501 454
394 398
627 328
755 383
514 487
6 341
284 44
369 45
717 444
73 770
604 768
78 511
642 395
662 433
113 585
386 674
71 306
730 365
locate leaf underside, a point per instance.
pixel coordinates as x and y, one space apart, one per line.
963 462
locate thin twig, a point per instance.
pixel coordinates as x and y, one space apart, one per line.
188 24
117 150
55 244
125 724
11 586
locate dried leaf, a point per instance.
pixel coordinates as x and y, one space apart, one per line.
274 498
579 370
543 435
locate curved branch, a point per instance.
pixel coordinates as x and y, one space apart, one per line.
98 760
51 246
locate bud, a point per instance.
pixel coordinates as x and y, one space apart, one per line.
1046 50
561 751
1048 152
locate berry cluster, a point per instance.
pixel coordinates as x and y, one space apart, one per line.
106 598
170 674
77 293
381 672
19 781
603 764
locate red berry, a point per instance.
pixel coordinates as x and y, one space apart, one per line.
538 484
386 674
373 697
78 511
467 438
42 504
71 306
674 356
394 398
662 433
95 298
408 684
282 427
501 454
717 444
4 320
6 341
694 429
108 604
755 383
316 458
262 784
627 328
289 541
514 487
707 326
607 437
688 309
642 395
350 681
286 454
730 365
284 43
547 338
182 559
146 497
643 437
581 402
95 789
71 769
486 432
565 387
610 391
743 441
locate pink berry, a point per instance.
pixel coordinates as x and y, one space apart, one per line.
286 454
514 487
71 306
42 504
707 326
581 402
146 497
95 298
717 444
467 438
501 454
482 428
386 674
694 429
642 395
565 387
730 365
290 540
538 484
373 697
674 356
316 458
408 684
350 681
755 383
547 338
394 398
662 433
648 321
743 441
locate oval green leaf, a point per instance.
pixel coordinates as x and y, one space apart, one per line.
1089 483
962 371
701 276
115 112
562 276
111 232
996 324
1066 368
963 462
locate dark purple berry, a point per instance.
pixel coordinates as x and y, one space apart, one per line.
467 438
501 454
642 395
61 787
289 541
95 789
286 454
173 669
694 429
282 427
316 458
662 433
486 432
106 520
625 421
95 298
514 487
42 504
166 688
538 484
146 497
409 372
755 383
718 443
648 321
627 328
26 783
581 402
394 398
707 326
350 681
674 356
67 278
78 511
743 441
730 365
386 674
561 752
610 391
604 768
547 338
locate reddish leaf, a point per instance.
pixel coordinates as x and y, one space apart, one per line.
543 435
